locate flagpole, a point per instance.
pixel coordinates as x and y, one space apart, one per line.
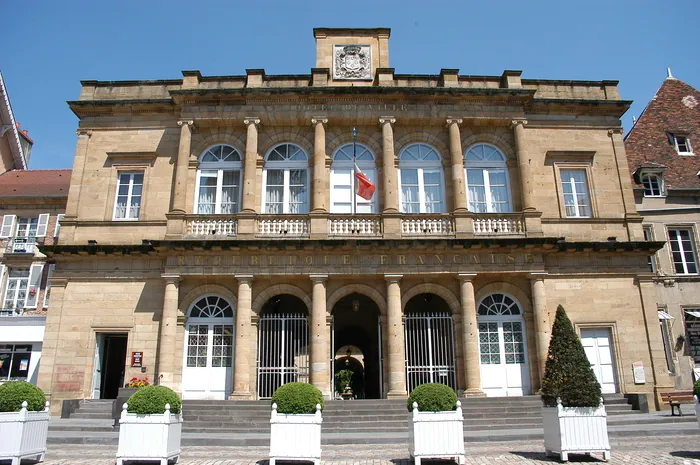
354 163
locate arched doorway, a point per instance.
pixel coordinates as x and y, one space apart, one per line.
430 355
283 344
208 356
356 327
502 346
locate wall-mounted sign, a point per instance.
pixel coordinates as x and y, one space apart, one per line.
137 359
638 372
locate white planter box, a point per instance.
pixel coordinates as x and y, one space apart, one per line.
581 430
436 434
295 437
23 434
149 437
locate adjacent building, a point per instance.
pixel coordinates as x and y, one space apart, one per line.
662 149
214 239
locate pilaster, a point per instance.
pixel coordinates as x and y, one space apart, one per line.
167 362
183 159
543 326
526 176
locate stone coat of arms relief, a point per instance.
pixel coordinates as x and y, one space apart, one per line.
352 62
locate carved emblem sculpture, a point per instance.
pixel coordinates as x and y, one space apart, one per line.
352 62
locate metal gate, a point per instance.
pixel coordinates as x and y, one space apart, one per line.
430 355
283 352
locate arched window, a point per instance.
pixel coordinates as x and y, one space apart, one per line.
286 180
218 181
498 304
344 199
211 307
420 177
487 179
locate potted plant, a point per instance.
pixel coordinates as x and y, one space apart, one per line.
123 395
24 421
295 424
696 392
436 424
343 383
150 426
573 413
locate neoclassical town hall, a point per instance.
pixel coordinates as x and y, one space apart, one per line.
215 242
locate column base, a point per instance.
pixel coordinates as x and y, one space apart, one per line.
396 395
241 396
475 392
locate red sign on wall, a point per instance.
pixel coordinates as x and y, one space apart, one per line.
136 359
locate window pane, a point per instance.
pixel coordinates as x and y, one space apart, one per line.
409 177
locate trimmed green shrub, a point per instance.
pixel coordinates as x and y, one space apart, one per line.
297 398
568 374
343 378
152 399
696 389
13 393
432 397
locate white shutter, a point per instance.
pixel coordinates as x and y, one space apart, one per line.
34 285
48 285
2 283
43 225
59 218
8 225
341 191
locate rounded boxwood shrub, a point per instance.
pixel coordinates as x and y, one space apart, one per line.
297 398
13 393
152 399
433 397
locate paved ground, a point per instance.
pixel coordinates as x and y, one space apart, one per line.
629 451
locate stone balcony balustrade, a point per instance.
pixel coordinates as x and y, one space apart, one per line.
355 226
22 245
283 226
499 224
427 225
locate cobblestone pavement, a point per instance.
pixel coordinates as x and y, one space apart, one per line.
629 451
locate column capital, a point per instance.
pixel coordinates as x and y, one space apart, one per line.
613 131
248 120
537 275
187 122
515 122
450 121
318 277
393 277
466 276
386 119
84 132
171 277
316 120
243 277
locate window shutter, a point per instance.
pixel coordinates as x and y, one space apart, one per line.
341 191
48 285
34 284
43 225
59 218
8 225
2 282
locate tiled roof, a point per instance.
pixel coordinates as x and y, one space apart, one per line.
35 183
675 109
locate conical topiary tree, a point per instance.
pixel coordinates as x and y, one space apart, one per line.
568 374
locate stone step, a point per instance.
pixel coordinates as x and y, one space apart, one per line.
92 415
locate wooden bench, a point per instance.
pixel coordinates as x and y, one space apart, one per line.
675 399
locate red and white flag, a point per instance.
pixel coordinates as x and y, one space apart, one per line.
363 186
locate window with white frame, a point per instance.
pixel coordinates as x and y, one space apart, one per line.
344 199
286 180
653 184
575 189
219 181
17 288
648 236
25 227
682 144
14 362
487 179
683 250
421 179
127 205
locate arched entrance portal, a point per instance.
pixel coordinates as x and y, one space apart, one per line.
283 344
430 355
356 327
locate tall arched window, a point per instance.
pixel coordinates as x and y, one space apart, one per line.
487 179
420 177
286 180
344 199
218 181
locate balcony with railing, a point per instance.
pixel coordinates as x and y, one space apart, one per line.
22 245
355 226
11 311
211 226
499 224
283 226
426 225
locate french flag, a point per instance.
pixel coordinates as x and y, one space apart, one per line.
363 186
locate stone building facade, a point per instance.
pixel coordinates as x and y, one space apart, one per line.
662 151
214 237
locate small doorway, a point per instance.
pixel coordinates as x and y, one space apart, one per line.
597 344
356 337
110 365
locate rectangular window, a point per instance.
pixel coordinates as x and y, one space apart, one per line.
17 288
286 191
14 361
27 227
649 237
652 185
667 336
682 144
683 250
421 190
343 190
575 189
488 190
219 192
127 205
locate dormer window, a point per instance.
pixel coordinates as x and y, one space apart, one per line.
653 184
681 144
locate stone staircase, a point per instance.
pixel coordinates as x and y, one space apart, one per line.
94 409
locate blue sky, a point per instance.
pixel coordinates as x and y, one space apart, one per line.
55 44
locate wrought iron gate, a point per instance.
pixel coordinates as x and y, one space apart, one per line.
283 352
430 355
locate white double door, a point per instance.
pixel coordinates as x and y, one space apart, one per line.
503 356
597 344
208 359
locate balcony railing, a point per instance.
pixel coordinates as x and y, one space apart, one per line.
21 245
212 226
283 226
427 225
499 224
11 311
355 226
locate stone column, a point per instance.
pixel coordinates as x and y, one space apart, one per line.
167 362
249 165
77 176
321 191
241 354
395 335
543 327
526 177
457 161
320 355
183 161
470 335
391 196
